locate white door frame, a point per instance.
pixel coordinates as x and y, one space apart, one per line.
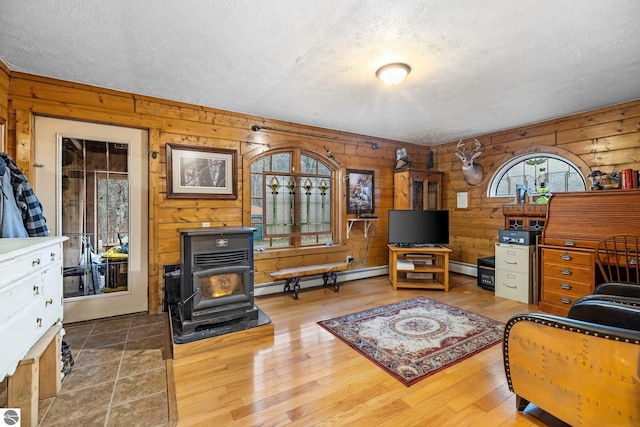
47 184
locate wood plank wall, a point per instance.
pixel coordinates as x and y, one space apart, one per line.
603 139
177 123
4 104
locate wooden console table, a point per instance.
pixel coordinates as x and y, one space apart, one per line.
429 267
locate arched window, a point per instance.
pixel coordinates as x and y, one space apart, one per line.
292 199
537 173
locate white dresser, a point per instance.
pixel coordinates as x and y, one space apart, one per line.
30 295
514 272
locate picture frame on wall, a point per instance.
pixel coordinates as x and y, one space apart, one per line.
361 191
201 172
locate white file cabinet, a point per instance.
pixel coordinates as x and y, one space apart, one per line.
514 272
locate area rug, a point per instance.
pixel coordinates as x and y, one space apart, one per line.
415 338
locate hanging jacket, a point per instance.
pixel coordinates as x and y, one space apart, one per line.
10 215
25 199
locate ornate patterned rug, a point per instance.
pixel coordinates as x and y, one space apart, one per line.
416 338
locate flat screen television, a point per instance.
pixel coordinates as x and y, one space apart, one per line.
418 228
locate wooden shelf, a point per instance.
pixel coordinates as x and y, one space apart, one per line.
424 268
368 223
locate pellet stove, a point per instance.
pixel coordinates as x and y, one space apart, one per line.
215 290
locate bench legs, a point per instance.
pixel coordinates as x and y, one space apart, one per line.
334 278
296 283
296 286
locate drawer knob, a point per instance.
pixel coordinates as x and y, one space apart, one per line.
565 300
35 262
566 272
36 290
39 322
565 286
48 302
53 256
569 243
565 257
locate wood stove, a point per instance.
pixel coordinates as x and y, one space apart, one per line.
215 294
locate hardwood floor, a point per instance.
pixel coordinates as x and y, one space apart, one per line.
305 376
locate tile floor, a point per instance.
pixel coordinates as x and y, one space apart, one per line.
119 377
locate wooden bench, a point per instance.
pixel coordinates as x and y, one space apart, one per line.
293 275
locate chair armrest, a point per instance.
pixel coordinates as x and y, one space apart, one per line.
615 312
572 369
618 288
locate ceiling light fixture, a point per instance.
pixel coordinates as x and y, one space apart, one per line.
392 74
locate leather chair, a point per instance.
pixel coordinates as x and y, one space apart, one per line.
583 369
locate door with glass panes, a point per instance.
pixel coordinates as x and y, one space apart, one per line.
91 180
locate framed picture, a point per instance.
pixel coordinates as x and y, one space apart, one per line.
360 195
201 172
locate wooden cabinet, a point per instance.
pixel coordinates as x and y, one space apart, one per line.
30 294
576 222
417 189
524 216
424 267
31 314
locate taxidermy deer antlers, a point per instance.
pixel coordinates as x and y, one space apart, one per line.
473 172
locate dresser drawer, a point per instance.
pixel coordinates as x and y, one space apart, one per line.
28 263
567 257
16 296
18 335
512 285
19 267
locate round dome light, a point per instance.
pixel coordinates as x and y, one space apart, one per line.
392 74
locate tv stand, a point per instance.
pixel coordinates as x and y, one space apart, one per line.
425 267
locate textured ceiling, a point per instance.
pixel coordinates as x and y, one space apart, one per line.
477 66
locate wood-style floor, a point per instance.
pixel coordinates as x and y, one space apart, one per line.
304 376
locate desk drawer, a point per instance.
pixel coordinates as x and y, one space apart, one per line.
571 273
567 287
567 257
559 299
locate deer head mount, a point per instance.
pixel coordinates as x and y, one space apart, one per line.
473 172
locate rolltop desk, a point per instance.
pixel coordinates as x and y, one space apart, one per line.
575 222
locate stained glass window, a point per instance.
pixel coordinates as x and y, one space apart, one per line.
291 200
